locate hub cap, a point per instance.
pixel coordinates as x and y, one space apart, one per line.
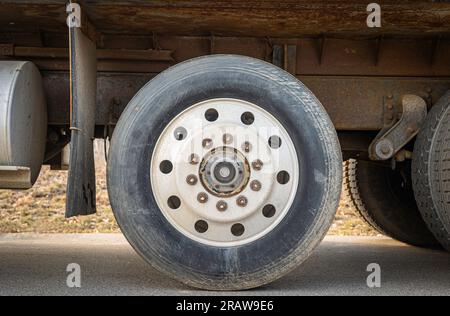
224 172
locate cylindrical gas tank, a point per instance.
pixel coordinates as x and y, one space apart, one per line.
23 118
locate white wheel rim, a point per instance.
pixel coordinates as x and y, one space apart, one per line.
219 211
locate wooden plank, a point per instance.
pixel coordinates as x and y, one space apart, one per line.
259 18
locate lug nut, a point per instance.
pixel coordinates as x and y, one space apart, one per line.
191 179
227 139
247 147
257 164
242 201
222 206
207 143
194 159
202 197
255 185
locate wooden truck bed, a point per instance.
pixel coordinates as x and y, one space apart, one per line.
261 18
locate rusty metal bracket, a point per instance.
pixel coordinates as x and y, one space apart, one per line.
285 57
83 87
391 141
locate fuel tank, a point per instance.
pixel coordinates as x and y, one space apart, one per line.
23 124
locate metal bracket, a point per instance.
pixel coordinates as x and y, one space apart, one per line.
391 141
13 177
83 88
285 57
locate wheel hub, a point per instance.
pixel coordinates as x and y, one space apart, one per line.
224 172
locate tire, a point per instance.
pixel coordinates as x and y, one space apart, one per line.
431 171
132 194
385 199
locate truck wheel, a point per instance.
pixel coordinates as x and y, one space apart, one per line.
431 171
224 172
385 199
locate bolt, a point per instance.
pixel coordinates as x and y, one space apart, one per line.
222 206
194 159
242 201
390 96
53 137
247 147
207 143
257 164
385 147
227 139
255 185
385 150
390 106
202 197
191 179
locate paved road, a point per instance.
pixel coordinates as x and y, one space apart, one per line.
36 265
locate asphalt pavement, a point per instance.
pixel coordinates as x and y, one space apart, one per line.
37 265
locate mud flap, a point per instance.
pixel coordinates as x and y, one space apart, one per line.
83 87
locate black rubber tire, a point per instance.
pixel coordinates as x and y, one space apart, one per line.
431 171
385 199
225 268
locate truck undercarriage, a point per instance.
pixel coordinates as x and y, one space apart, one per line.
376 85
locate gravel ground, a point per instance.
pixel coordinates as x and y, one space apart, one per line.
41 209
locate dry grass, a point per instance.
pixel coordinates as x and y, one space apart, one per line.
41 210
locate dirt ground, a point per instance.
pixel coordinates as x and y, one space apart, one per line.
41 210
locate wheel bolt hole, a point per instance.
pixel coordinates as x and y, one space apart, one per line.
269 211
180 133
275 142
166 167
211 115
247 118
237 230
174 202
283 177
201 226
